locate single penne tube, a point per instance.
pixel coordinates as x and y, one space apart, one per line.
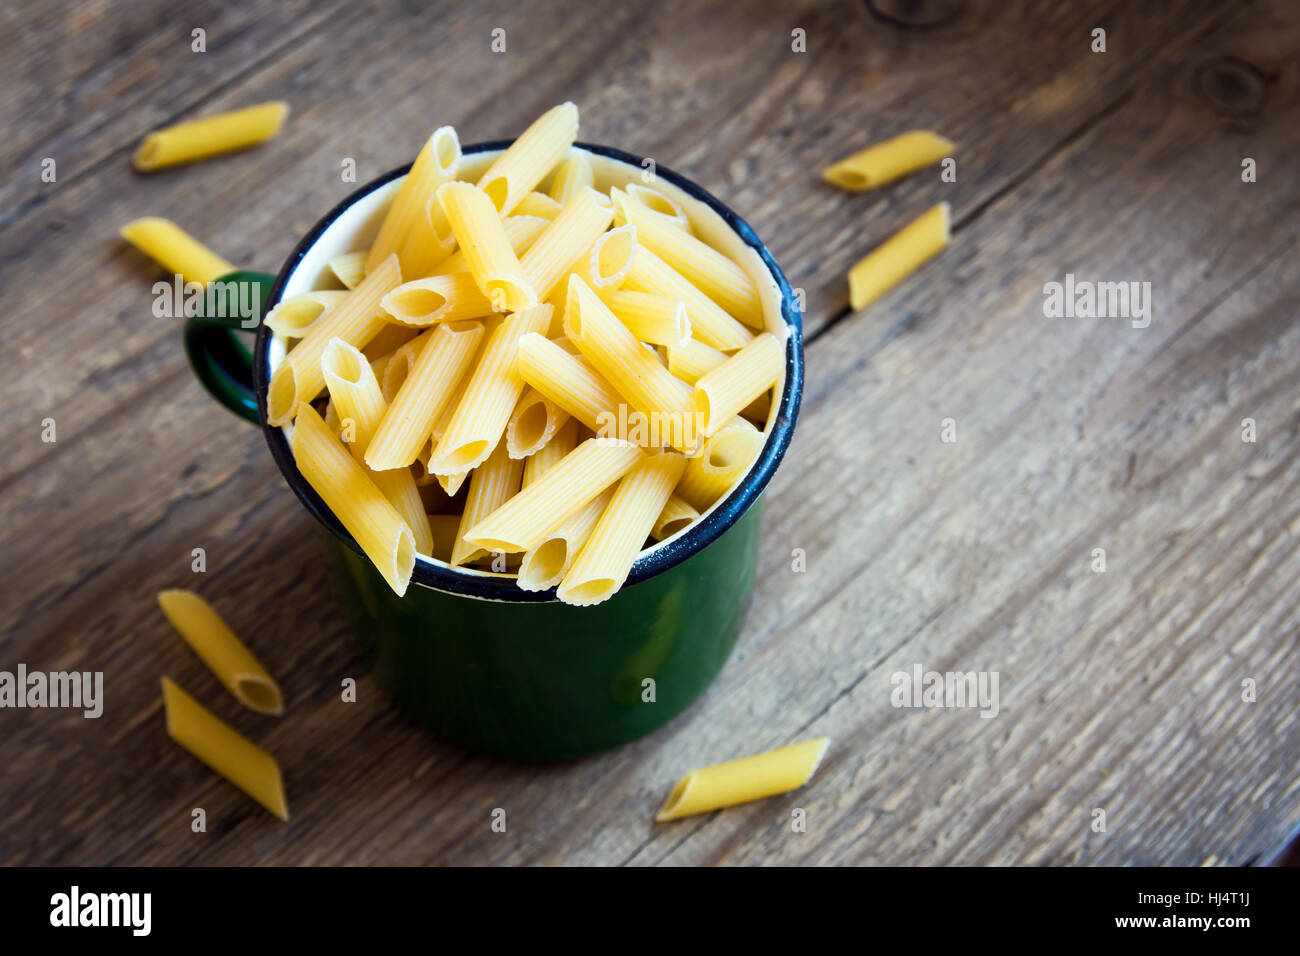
633 370
225 750
743 780
606 558
710 323
491 391
441 365
538 204
481 236
887 161
442 298
724 460
571 234
899 256
175 250
545 565
690 360
292 317
603 267
656 201
491 485
721 393
572 176
210 136
566 379
552 453
521 232
523 522
222 651
361 407
351 494
717 276
525 163
677 515
349 268
356 320
435 164
656 319
533 423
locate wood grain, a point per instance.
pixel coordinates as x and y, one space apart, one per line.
1120 691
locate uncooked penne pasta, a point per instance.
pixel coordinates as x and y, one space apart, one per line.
491 259
567 380
356 320
887 161
572 233
356 501
222 651
175 250
435 164
525 520
899 256
721 393
292 317
656 319
545 565
552 453
521 232
538 204
223 749
361 407
743 780
210 136
709 322
724 460
517 171
399 364
607 556
451 484
532 424
572 176
491 391
441 365
491 485
692 359
349 268
677 515
440 298
713 273
656 201
604 266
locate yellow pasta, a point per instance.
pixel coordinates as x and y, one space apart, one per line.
222 651
607 557
692 359
656 319
677 515
435 164
517 171
399 365
451 484
491 391
349 268
175 250
361 407
491 485
521 232
356 320
440 298
210 136
439 368
349 491
887 161
724 460
229 753
743 780
572 176
709 322
633 370
572 233
567 380
491 259
899 256
293 317
538 204
721 393
603 267
532 424
656 201
717 276
552 453
526 519
545 565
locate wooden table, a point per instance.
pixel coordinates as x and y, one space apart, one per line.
1121 691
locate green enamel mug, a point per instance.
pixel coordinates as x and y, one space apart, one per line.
465 652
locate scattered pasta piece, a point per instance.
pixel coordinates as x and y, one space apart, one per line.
210 136
887 161
899 256
743 780
175 250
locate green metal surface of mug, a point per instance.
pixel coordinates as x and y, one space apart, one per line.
468 654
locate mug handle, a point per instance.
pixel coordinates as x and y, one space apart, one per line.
219 357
